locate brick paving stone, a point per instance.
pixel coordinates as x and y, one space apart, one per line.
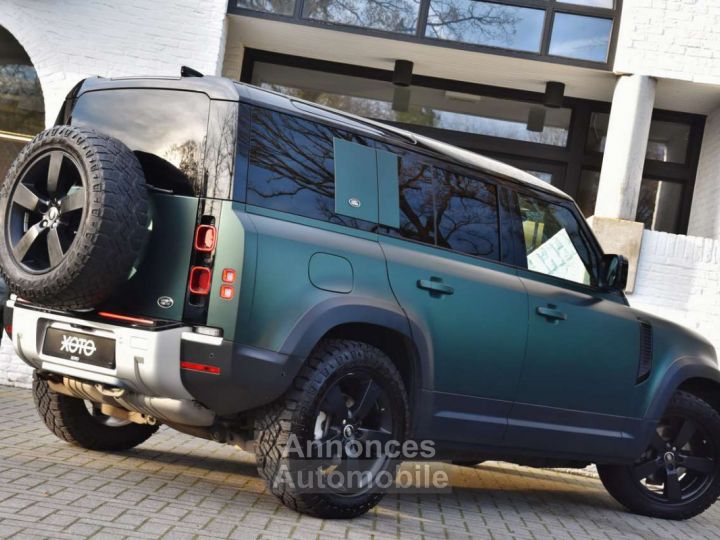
179 488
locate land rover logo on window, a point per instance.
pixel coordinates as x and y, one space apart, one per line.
74 344
354 202
165 302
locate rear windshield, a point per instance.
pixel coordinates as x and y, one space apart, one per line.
166 129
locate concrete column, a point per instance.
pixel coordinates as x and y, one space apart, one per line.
625 147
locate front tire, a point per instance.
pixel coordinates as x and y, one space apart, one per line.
71 421
678 476
348 391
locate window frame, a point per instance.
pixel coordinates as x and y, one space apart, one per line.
549 6
594 250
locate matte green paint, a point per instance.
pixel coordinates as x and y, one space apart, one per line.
165 264
479 331
589 361
230 253
388 189
283 292
356 192
331 273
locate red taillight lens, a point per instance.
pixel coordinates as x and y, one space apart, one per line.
126 318
202 368
199 280
229 275
227 292
8 329
205 238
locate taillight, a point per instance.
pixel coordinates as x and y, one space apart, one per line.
202 368
205 238
126 318
200 280
8 329
229 275
227 292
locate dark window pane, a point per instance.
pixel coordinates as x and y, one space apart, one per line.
667 141
587 191
391 15
485 23
553 242
280 7
658 203
607 4
417 220
467 215
578 36
431 107
166 130
542 175
292 168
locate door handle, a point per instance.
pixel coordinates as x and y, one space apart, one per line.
435 285
551 313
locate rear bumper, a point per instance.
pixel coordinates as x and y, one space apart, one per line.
146 362
150 362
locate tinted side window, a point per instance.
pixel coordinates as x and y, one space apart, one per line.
467 215
417 216
554 244
291 166
167 130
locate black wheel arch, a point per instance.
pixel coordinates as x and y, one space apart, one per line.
697 375
376 322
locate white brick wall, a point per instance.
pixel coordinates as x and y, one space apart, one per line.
679 278
73 39
705 214
677 39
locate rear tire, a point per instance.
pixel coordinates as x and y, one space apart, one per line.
70 420
299 414
678 476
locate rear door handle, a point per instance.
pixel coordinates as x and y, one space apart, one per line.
551 313
435 286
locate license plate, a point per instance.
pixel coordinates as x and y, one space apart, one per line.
85 348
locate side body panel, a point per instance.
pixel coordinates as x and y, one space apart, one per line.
283 290
478 335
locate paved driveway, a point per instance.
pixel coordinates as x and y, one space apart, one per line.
175 486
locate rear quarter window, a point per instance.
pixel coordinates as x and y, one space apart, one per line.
166 129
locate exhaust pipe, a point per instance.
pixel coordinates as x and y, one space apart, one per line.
170 411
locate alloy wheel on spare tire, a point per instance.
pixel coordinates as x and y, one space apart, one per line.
74 213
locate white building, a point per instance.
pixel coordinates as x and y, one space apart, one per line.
633 135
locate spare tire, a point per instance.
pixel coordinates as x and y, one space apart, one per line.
74 212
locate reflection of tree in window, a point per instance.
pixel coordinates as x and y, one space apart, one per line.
292 169
281 7
470 21
467 215
361 106
390 15
416 200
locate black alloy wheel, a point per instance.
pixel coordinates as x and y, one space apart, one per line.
680 462
678 475
355 412
345 407
46 211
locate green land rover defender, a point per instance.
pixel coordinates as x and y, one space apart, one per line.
255 269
